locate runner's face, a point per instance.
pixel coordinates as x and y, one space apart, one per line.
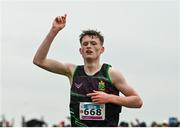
91 47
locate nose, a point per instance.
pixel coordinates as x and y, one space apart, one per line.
89 45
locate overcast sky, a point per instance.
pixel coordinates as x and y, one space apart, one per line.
141 40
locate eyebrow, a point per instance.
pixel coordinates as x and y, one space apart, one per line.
89 41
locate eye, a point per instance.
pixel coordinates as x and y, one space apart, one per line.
85 43
93 43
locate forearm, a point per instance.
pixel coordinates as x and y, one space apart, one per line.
127 101
44 47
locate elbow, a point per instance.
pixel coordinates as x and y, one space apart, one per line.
36 62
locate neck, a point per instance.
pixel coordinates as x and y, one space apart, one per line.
91 67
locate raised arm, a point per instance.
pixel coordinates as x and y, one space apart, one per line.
40 58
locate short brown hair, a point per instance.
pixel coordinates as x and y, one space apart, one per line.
91 33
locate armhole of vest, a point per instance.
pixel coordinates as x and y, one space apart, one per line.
75 71
107 74
73 75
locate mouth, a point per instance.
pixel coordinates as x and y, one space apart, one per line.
89 51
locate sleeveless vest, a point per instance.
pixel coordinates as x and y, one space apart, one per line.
82 85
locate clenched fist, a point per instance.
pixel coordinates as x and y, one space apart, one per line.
59 23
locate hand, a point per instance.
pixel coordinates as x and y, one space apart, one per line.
59 22
99 97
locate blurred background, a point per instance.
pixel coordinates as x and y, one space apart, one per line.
141 40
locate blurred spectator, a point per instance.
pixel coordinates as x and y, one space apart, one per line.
138 124
154 124
165 123
179 124
142 124
36 123
62 124
173 122
124 124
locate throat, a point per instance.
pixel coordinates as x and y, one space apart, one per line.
92 69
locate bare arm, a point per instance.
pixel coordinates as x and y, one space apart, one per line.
130 99
40 58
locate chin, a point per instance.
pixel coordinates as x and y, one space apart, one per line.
89 58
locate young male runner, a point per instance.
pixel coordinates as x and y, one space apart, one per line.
95 87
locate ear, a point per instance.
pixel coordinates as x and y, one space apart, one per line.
80 50
102 50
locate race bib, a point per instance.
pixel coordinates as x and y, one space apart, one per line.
91 111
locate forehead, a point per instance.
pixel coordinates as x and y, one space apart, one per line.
90 38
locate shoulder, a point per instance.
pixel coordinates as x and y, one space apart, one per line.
70 65
73 68
116 76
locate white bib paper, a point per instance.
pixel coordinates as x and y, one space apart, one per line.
91 111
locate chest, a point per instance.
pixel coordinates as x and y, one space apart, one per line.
86 84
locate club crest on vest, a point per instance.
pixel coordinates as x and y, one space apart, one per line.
101 86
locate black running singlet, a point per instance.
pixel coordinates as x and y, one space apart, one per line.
82 110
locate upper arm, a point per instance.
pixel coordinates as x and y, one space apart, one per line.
57 67
120 83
